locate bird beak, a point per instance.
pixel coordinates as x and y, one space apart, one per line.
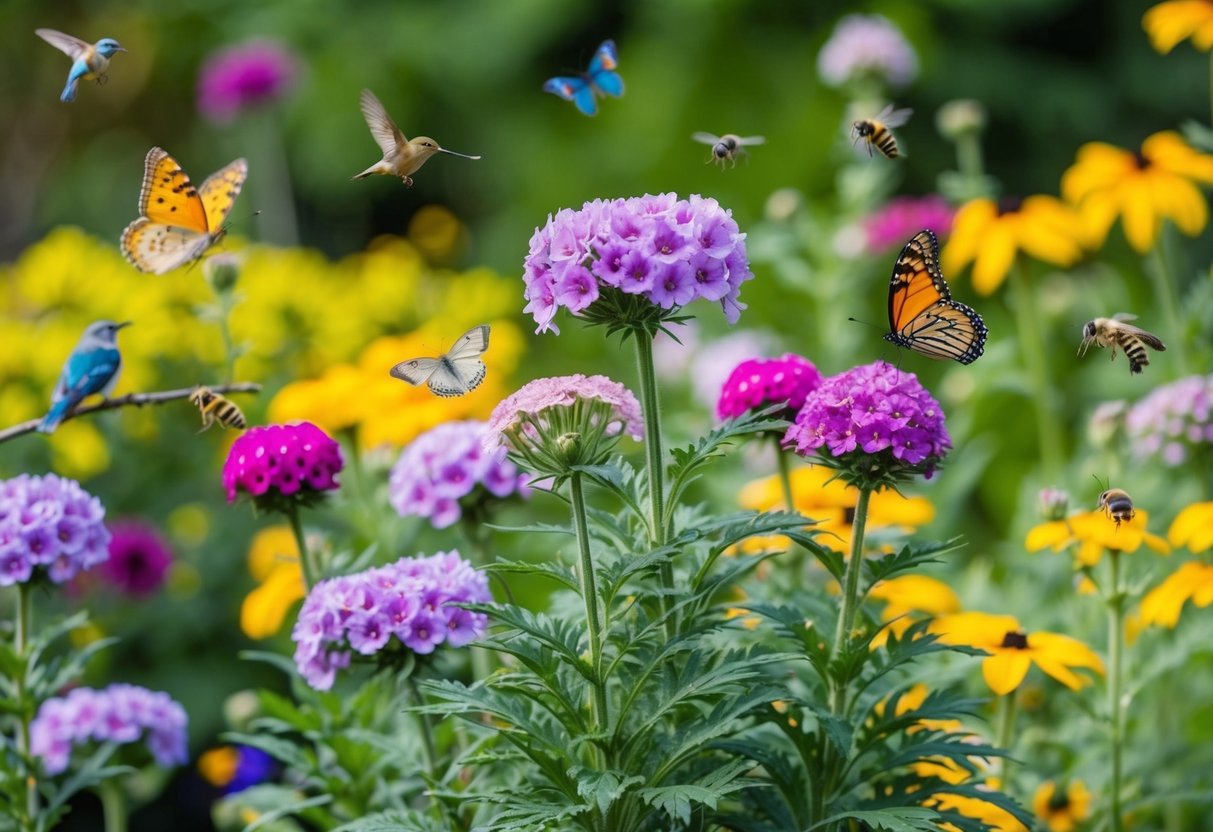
123 325
121 48
453 153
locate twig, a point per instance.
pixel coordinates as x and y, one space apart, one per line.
130 399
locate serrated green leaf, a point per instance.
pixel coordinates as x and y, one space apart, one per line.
602 788
901 819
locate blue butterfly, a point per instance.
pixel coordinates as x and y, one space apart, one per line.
601 77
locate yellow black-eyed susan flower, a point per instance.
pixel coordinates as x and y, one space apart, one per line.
997 818
989 234
1013 651
907 598
1141 188
274 563
1062 810
1167 24
1095 533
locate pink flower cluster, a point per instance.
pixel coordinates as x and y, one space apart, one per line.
49 526
446 464
867 46
276 461
668 250
139 559
873 410
409 600
901 218
530 401
763 382
1173 421
244 76
118 714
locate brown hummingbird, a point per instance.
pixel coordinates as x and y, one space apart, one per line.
401 157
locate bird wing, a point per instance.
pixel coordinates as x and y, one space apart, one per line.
70 46
87 372
385 132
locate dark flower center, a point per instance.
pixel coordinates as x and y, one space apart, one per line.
1009 204
1016 639
1059 802
1141 161
848 516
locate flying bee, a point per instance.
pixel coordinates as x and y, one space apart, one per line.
728 147
216 408
1113 332
1118 504
877 132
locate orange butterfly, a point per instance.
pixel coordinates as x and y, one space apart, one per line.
922 314
179 222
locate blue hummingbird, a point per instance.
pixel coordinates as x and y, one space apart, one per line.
92 367
89 62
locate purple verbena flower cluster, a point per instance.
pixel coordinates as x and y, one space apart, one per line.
282 461
139 559
1172 420
900 219
530 401
670 251
443 465
867 46
49 525
875 415
244 76
410 599
763 382
119 713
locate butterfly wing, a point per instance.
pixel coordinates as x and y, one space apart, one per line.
218 193
455 377
167 195
157 248
602 72
577 90
70 46
416 370
385 132
922 315
471 344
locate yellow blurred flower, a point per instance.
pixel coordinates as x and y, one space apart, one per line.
750 622
1161 606
912 699
218 765
1140 188
907 595
832 503
1193 527
1062 811
1177 20
999 819
78 450
1013 651
273 561
1095 533
990 234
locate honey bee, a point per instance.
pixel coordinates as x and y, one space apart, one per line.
216 408
1113 332
877 131
1118 504
728 147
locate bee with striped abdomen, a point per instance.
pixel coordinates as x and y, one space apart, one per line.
878 133
1114 332
1118 504
216 408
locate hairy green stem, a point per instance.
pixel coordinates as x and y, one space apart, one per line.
1007 707
589 593
850 594
654 462
1116 630
21 638
113 806
305 559
1158 266
1031 342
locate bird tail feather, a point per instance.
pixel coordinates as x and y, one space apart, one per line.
54 416
69 92
365 173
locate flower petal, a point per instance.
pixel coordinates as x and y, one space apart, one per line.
996 255
1005 670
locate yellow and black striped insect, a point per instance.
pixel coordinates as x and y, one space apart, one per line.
216 408
1118 504
1114 332
878 133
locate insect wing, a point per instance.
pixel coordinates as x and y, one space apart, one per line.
890 117
751 140
602 72
416 370
471 343
454 378
705 138
577 90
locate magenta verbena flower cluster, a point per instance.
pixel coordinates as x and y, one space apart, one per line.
670 251
442 466
49 526
119 714
406 605
1173 420
282 461
139 559
764 382
876 415
892 225
244 76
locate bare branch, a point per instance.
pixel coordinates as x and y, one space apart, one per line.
131 400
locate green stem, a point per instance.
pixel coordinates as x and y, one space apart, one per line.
1116 630
429 753
1159 267
276 219
305 558
589 593
654 459
785 475
970 165
21 638
850 594
1007 708
1031 343
225 332
113 806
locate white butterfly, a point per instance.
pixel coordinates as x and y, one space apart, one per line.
458 372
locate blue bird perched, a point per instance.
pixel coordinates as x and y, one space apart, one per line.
92 367
89 61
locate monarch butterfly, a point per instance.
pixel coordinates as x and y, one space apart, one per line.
922 314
